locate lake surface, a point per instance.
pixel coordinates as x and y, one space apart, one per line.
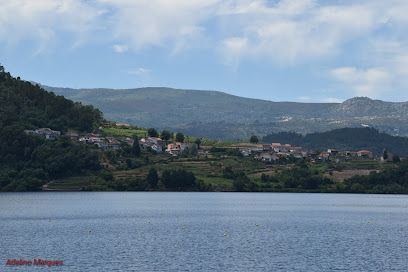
143 231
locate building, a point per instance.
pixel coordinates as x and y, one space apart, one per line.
333 151
152 140
365 154
47 133
176 148
74 136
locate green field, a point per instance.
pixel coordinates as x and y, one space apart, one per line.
125 132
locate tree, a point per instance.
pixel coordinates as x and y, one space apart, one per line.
136 148
152 178
165 135
240 182
193 150
129 163
254 139
396 159
178 178
198 142
180 137
385 155
166 177
152 132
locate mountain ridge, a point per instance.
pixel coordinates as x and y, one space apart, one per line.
223 116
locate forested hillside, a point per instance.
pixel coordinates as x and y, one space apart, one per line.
345 139
218 115
27 162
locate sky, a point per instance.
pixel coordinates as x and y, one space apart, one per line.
287 50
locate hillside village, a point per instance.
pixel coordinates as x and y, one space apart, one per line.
274 152
56 146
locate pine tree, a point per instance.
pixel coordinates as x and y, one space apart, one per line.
136 148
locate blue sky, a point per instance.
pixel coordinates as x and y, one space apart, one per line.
287 50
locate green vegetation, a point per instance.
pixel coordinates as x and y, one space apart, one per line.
225 170
135 147
221 116
126 132
254 139
180 137
165 135
346 139
390 181
71 183
27 162
152 132
179 178
152 178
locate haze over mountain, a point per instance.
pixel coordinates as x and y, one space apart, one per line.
223 116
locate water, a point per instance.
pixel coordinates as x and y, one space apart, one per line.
295 232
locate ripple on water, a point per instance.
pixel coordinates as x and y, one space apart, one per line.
206 231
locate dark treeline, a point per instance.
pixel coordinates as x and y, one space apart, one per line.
27 162
345 139
29 106
390 181
301 178
178 178
171 180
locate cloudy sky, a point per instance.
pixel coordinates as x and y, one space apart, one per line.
287 50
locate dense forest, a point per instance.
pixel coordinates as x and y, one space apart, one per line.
27 162
344 139
390 181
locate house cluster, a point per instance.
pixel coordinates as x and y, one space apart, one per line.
275 151
47 133
272 152
179 148
154 143
157 144
111 143
103 143
108 143
337 156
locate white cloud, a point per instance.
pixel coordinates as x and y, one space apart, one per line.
139 72
304 98
295 31
170 24
44 20
233 49
400 62
372 82
120 48
332 100
285 32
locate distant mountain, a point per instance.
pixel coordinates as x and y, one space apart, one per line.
223 116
